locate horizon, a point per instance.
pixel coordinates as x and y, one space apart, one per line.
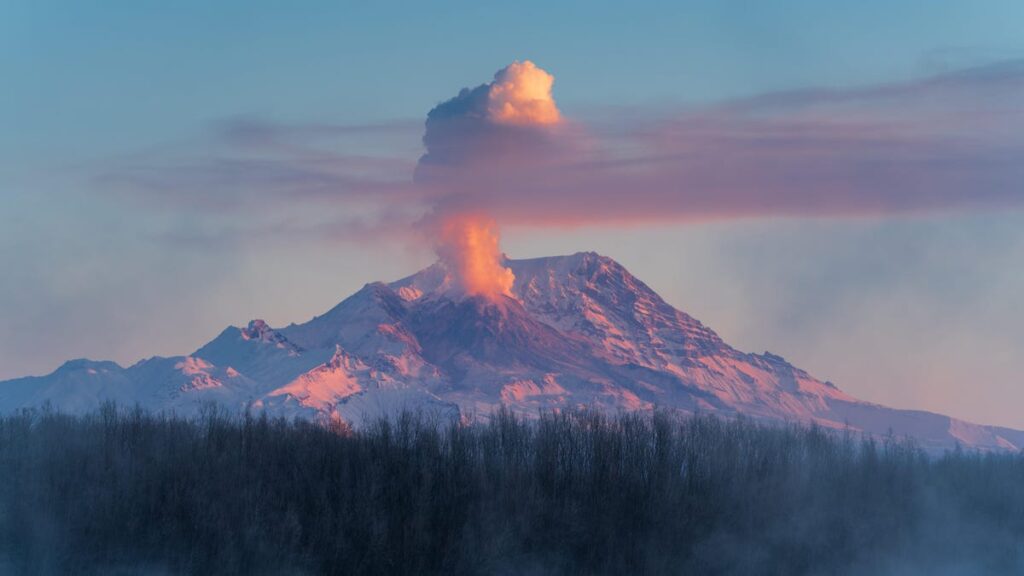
144 217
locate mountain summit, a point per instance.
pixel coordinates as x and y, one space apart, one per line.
577 330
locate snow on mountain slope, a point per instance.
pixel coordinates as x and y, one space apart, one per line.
596 298
580 330
323 387
181 383
78 385
261 353
347 389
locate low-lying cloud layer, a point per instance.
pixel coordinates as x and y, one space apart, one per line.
950 142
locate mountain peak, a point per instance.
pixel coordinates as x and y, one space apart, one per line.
580 330
436 279
257 330
91 366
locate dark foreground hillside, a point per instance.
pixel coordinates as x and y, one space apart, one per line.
123 492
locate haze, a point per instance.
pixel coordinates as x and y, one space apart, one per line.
153 194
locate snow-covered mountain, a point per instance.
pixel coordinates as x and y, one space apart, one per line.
579 331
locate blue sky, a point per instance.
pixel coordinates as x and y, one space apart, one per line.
914 311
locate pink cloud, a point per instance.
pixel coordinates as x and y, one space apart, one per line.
950 142
944 143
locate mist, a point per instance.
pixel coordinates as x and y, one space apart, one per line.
568 493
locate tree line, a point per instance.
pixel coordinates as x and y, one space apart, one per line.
573 492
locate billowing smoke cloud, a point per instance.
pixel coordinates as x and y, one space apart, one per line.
506 121
521 94
469 245
512 119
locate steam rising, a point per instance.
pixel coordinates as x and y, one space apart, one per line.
490 123
469 248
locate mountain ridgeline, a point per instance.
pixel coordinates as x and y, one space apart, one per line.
580 331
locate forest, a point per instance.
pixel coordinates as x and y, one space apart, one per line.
123 491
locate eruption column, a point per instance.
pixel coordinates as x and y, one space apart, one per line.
469 248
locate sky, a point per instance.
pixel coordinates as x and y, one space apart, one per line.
167 169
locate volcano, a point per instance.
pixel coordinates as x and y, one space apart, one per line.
577 331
